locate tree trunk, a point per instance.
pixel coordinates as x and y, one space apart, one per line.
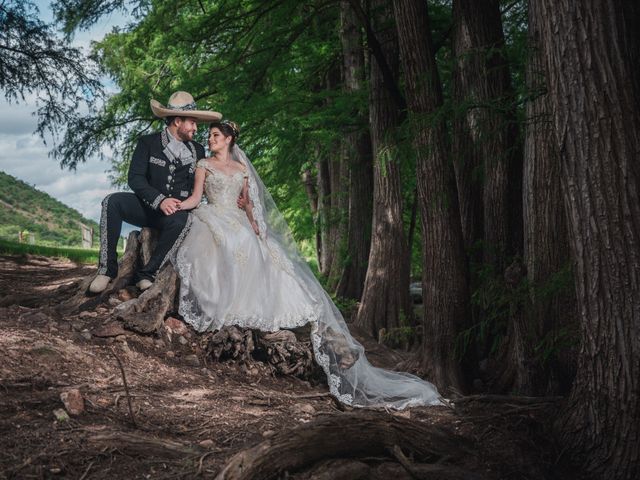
385 299
444 272
591 50
324 250
339 215
550 310
332 199
309 182
489 171
357 146
482 86
466 154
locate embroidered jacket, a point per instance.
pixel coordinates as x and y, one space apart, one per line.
155 174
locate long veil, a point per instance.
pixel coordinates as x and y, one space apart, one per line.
352 379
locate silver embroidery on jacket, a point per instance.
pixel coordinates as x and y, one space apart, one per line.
157 161
102 264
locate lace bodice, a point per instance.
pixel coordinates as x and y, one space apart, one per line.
220 189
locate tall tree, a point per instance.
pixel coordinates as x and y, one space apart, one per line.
488 161
486 147
551 303
444 271
385 299
357 152
592 50
332 189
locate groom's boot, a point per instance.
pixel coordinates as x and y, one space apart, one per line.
144 284
99 284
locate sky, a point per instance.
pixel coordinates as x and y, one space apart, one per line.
25 156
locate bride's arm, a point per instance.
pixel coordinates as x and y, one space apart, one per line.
198 185
248 209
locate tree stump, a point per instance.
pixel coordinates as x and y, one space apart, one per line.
144 313
83 300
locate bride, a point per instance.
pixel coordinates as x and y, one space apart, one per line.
241 267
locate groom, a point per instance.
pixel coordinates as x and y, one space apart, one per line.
161 174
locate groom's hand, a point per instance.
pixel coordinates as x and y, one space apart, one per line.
169 206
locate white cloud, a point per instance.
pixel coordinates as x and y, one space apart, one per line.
26 157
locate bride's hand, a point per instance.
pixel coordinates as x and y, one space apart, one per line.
256 229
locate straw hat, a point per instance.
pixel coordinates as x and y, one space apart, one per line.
182 104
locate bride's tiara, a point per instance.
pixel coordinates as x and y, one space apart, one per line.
233 126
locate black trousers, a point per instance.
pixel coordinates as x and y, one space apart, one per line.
127 207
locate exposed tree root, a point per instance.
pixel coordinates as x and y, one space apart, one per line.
146 313
286 352
359 435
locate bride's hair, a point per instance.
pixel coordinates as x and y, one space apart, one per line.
228 129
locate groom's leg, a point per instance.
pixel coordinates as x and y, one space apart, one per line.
116 208
170 227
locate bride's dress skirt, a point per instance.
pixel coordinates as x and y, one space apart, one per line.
230 276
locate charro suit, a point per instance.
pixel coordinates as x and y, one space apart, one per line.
154 174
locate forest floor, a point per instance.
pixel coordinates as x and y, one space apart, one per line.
191 415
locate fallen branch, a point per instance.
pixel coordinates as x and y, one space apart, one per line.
126 387
137 444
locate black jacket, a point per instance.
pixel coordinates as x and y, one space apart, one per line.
153 176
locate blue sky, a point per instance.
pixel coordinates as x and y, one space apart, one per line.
25 156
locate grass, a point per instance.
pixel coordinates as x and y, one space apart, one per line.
80 255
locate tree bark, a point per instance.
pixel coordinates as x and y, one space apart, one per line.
550 310
385 299
339 215
445 288
591 50
486 136
466 154
332 201
357 146
488 161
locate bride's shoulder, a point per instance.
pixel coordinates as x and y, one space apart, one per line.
203 163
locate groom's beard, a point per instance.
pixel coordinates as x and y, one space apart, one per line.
185 134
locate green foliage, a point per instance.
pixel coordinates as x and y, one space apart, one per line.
25 208
347 306
35 63
497 304
267 65
400 337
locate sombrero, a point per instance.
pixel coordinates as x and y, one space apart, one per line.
182 104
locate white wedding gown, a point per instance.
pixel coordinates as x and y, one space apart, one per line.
231 276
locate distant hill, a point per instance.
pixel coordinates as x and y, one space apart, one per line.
22 207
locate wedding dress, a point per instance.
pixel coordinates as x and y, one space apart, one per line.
231 276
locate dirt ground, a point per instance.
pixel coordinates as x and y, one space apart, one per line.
190 415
